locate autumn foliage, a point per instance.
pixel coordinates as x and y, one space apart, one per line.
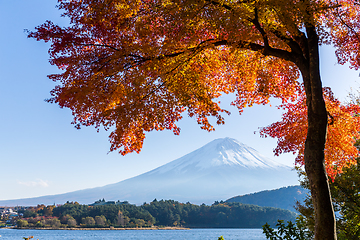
343 130
134 67
138 65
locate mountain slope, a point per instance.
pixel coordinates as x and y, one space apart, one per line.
284 198
219 170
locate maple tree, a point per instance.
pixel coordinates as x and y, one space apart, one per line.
135 66
342 132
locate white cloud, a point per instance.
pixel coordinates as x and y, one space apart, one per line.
36 183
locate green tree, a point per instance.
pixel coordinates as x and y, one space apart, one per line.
346 197
53 222
100 220
22 223
29 213
40 224
140 222
88 221
287 232
346 200
48 211
71 222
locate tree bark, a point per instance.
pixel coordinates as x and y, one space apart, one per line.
325 224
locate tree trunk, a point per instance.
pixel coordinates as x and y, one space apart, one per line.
325 225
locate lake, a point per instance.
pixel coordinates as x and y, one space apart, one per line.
191 234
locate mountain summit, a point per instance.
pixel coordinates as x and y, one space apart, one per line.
221 152
219 170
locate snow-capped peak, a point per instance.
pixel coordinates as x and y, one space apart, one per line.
221 152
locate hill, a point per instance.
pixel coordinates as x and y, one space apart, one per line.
284 198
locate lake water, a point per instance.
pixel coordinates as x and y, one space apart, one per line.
192 234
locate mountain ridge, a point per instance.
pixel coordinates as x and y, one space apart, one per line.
284 198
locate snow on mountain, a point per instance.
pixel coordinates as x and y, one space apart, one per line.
219 170
223 151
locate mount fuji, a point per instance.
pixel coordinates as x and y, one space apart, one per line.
219 170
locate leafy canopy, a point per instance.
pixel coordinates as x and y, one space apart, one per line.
343 128
135 66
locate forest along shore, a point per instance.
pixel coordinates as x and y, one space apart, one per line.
156 214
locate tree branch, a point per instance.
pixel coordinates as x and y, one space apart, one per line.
266 51
227 7
256 23
347 25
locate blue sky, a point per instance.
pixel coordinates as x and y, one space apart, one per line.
41 153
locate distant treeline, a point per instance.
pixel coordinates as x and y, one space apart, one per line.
159 213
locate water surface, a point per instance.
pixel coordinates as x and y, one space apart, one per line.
191 234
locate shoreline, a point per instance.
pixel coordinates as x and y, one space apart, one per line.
108 228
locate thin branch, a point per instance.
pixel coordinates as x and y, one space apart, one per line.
331 119
343 21
256 23
98 45
227 7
